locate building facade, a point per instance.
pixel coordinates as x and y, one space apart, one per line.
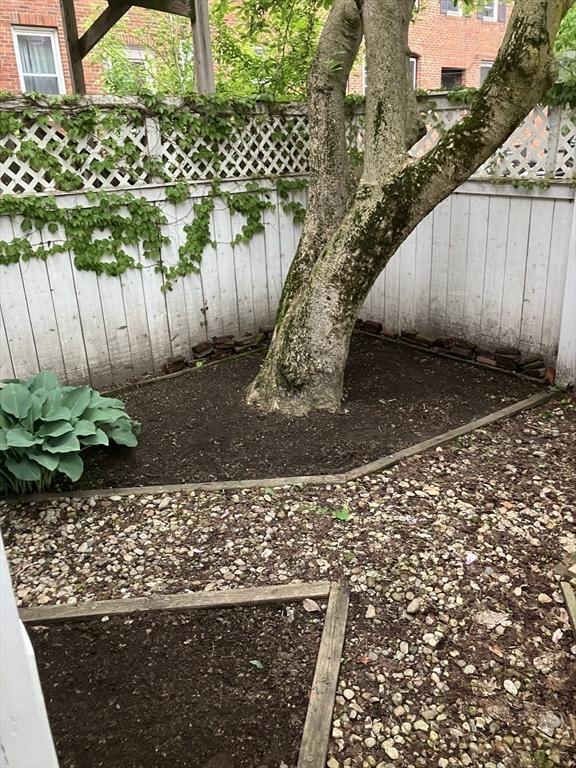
448 47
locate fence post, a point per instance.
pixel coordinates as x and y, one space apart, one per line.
25 738
566 363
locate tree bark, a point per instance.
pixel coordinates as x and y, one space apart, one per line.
304 368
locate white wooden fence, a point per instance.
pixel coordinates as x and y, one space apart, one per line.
492 263
489 264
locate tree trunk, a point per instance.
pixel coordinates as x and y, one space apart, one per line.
304 368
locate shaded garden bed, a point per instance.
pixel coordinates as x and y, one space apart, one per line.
196 428
209 688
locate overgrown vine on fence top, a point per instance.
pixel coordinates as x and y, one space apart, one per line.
129 220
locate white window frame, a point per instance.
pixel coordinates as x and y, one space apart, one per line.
485 65
39 32
456 10
414 59
494 16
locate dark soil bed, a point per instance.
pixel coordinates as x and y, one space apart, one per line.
210 688
197 428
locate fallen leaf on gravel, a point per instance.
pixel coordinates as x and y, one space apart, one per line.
310 605
256 663
490 619
363 659
496 650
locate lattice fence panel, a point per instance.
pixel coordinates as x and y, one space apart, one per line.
262 145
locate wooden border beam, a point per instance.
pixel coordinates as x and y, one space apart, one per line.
203 64
103 24
72 44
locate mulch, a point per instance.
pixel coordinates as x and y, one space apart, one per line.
214 688
197 428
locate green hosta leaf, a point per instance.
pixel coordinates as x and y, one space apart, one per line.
62 444
44 380
55 428
83 427
38 400
47 460
57 414
77 400
3 444
54 399
24 469
15 400
101 401
100 438
123 437
18 437
72 466
5 421
104 415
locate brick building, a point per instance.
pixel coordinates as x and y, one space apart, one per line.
447 48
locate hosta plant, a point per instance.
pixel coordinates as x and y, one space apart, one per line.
44 427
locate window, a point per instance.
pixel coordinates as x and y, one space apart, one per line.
137 56
452 78
38 60
485 68
451 7
413 70
489 11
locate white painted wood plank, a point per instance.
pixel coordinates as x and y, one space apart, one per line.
39 303
205 318
476 265
536 274
132 286
288 239
177 215
459 223
226 268
19 335
566 364
6 367
495 266
244 290
407 277
93 327
557 275
259 280
377 299
116 327
439 269
392 292
514 271
67 314
156 313
274 280
422 276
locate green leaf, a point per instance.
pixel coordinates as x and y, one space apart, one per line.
44 380
77 400
58 414
53 400
55 428
123 437
104 415
18 437
62 444
72 466
47 460
15 400
24 469
83 427
341 514
3 444
38 400
100 438
256 663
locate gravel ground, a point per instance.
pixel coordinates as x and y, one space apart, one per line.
458 649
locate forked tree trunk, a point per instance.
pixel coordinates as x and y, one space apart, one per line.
337 264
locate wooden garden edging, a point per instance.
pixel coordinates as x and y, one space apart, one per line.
317 727
270 482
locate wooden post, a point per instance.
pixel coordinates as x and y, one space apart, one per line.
203 65
566 362
74 57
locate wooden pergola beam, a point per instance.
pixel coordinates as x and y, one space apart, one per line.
103 24
72 43
176 7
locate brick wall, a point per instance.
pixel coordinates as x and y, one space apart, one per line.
437 40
